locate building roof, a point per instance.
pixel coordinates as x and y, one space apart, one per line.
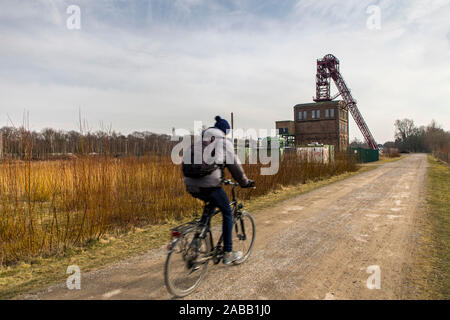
318 104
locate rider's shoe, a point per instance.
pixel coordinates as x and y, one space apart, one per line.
232 256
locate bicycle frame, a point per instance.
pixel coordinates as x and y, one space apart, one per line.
216 251
194 242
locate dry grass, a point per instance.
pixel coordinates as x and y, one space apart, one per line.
51 207
41 272
437 232
442 155
391 153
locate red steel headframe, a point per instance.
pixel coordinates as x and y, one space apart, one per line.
327 68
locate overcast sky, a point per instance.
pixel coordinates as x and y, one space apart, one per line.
157 64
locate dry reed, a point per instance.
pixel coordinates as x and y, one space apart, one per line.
47 207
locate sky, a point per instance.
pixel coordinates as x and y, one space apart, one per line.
151 65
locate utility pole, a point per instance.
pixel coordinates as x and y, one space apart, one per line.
232 127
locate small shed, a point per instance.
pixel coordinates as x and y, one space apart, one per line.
364 155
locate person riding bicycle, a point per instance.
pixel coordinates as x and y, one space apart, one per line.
209 187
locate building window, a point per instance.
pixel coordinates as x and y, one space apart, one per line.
313 114
302 115
318 114
343 128
326 113
331 113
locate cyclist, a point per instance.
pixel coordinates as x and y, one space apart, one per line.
209 187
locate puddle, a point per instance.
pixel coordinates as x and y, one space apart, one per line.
361 238
329 296
112 293
295 208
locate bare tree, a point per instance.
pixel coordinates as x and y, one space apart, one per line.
404 129
50 143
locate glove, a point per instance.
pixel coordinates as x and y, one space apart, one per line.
250 184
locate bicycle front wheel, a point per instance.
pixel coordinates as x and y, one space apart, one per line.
243 235
183 271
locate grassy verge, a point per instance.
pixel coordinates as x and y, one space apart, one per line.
36 275
437 233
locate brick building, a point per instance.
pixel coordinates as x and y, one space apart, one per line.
322 122
286 127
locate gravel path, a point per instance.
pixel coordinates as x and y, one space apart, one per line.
314 246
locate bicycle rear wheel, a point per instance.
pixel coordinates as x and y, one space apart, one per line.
243 235
183 271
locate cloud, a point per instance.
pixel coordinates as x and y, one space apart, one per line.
152 65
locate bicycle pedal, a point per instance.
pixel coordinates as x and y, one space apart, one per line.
217 258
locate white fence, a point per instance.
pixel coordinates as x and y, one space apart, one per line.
317 154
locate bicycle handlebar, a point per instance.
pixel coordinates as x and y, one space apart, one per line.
229 182
234 184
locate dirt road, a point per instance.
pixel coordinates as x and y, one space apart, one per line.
314 246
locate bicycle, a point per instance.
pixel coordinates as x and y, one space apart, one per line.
192 242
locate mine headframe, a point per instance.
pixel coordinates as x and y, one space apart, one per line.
328 68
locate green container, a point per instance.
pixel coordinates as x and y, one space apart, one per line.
364 155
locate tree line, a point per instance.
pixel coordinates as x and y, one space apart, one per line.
19 143
430 138
411 138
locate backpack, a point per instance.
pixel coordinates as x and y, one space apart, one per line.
192 170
